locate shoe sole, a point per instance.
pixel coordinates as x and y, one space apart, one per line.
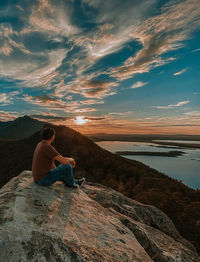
74 186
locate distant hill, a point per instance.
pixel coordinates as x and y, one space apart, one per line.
140 137
130 177
19 128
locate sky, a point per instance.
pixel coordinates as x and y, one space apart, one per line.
115 66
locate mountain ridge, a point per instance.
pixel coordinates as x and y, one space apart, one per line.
20 128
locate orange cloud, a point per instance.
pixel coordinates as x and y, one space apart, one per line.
8 115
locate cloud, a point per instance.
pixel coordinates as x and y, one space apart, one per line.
173 106
187 119
139 84
9 42
193 114
40 22
49 117
111 33
90 88
51 103
51 18
5 49
120 113
34 70
196 50
180 72
158 35
8 115
48 22
84 110
4 99
113 123
69 97
81 120
7 98
57 119
91 101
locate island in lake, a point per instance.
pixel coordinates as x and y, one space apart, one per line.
148 153
151 138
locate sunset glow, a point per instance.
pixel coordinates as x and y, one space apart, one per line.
80 120
136 75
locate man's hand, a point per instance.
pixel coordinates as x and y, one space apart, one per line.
65 160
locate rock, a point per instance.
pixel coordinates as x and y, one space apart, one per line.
92 223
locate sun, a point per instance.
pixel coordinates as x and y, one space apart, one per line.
80 120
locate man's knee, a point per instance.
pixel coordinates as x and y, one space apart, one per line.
65 166
68 169
69 166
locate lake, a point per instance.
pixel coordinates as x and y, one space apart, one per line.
185 168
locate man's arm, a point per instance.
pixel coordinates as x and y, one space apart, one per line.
65 160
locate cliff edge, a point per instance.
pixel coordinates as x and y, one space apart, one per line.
92 223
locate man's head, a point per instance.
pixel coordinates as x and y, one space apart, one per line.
48 133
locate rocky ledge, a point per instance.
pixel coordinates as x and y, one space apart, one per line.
92 223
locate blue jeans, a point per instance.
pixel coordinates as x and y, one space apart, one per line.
62 172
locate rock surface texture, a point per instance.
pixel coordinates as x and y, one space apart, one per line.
92 223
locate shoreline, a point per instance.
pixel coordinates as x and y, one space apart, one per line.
150 153
175 144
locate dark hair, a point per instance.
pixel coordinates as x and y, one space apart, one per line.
48 132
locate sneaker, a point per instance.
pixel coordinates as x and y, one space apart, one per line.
74 185
81 181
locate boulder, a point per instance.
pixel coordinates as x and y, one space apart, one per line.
92 223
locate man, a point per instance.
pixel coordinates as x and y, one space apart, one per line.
44 171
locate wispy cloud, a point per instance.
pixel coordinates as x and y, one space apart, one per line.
91 102
139 84
7 98
193 114
47 22
8 115
51 103
180 72
159 35
120 113
90 88
5 49
173 106
47 18
196 50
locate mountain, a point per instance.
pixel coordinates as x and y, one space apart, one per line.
130 177
19 128
92 223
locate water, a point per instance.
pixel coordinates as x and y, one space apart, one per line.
179 141
185 168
